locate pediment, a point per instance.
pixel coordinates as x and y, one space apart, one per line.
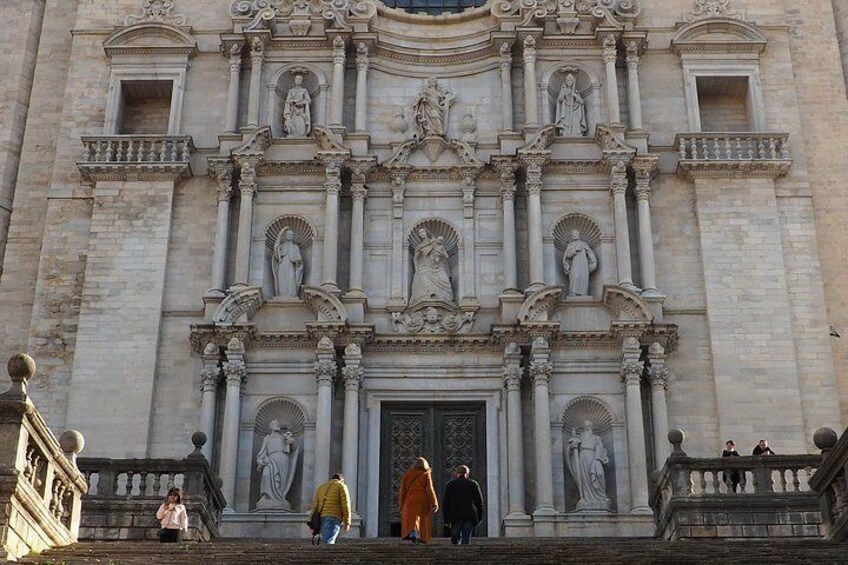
626 306
239 306
434 152
539 307
719 35
150 38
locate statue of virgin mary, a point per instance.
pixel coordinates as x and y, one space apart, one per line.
431 279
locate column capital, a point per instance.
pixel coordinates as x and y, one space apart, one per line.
257 49
529 49
540 372
209 378
352 376
632 55
235 372
506 169
333 172
610 48
338 50
222 172
506 55
658 377
325 371
362 60
618 176
512 378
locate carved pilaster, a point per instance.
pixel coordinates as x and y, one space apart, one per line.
631 366
610 56
531 97
506 84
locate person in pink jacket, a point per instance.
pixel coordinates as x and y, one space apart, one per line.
173 518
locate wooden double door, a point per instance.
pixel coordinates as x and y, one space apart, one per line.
447 434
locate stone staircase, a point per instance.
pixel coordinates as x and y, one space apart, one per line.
440 552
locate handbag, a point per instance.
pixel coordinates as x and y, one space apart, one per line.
314 521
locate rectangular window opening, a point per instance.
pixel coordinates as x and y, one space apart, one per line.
145 107
724 104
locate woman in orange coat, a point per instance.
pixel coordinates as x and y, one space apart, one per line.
417 502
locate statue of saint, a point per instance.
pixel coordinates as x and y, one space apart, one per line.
277 462
431 280
570 110
431 109
578 262
586 459
288 265
297 116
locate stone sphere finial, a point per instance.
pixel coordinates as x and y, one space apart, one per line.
72 443
198 439
676 438
21 369
825 439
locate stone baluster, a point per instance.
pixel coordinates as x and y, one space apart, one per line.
645 167
507 174
247 188
352 372
634 95
337 104
531 94
506 85
512 375
631 373
231 125
533 164
257 57
332 187
610 57
325 375
540 372
659 384
235 370
358 193
208 396
362 64
223 173
618 187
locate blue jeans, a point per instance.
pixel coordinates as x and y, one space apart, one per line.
330 528
461 532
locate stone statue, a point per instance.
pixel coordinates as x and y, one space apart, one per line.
586 459
277 462
431 109
297 116
431 279
288 265
570 110
578 262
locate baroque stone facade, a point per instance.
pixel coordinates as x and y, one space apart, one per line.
560 224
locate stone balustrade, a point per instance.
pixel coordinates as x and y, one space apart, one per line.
831 483
40 485
135 157
124 495
717 154
693 497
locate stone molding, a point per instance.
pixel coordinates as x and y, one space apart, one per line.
539 306
609 13
625 305
730 36
156 11
326 306
152 38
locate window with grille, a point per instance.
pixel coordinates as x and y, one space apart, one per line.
433 7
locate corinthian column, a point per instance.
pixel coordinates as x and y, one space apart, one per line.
507 173
235 370
338 81
659 384
512 375
631 373
361 87
352 373
645 168
610 57
332 186
506 85
634 96
540 371
325 375
531 100
208 397
534 220
231 125
223 173
618 187
358 193
257 56
247 189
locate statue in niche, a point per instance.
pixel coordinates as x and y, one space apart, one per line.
297 116
277 462
570 110
288 265
578 262
431 279
431 109
586 459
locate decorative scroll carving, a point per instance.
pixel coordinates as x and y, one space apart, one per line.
433 147
542 140
626 306
432 318
156 11
327 140
327 307
712 9
612 141
257 143
304 231
614 13
337 12
539 306
239 306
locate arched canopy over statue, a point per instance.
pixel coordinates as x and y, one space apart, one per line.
277 463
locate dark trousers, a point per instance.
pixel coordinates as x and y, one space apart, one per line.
167 535
461 532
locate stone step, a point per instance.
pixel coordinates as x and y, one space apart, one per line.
440 552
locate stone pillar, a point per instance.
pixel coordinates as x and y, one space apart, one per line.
257 56
507 173
332 186
618 187
231 125
247 189
659 384
631 373
506 85
468 271
531 94
352 373
325 375
634 96
540 371
534 220
235 371
512 375
610 57
208 397
361 87
337 103
645 168
358 193
397 299
223 173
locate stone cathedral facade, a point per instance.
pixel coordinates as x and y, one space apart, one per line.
527 236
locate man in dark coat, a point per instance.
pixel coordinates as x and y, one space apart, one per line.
463 506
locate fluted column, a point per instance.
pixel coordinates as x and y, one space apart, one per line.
659 384
231 125
235 371
634 95
208 397
534 220
358 193
361 87
531 94
631 373
337 94
506 85
610 58
352 373
247 189
645 168
540 372
257 57
618 187
332 188
325 375
223 173
507 174
512 375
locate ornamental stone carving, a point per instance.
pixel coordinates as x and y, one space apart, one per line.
712 9
276 463
615 13
431 109
297 116
570 110
587 457
288 265
431 279
336 12
158 11
578 263
432 319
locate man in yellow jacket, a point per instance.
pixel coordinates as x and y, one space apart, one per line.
332 501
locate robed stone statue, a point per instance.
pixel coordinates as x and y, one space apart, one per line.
431 279
570 110
586 459
277 462
297 116
431 109
578 262
288 265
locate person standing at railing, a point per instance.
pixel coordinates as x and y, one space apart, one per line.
762 448
172 517
730 477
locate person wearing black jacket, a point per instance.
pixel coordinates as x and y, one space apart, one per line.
463 506
762 448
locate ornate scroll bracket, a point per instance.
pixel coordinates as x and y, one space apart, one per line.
712 9
433 147
612 13
539 306
626 306
327 307
339 13
327 140
256 144
612 143
239 306
433 318
156 11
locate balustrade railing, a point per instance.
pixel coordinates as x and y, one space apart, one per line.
831 483
733 146
136 149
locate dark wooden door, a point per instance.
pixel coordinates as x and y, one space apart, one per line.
447 434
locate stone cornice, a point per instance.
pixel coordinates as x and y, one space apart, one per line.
695 37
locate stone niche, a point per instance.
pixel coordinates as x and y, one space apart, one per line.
590 232
576 413
304 236
279 86
452 244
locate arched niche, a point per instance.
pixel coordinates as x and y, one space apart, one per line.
278 87
436 227
292 417
574 416
590 232
304 236
587 85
